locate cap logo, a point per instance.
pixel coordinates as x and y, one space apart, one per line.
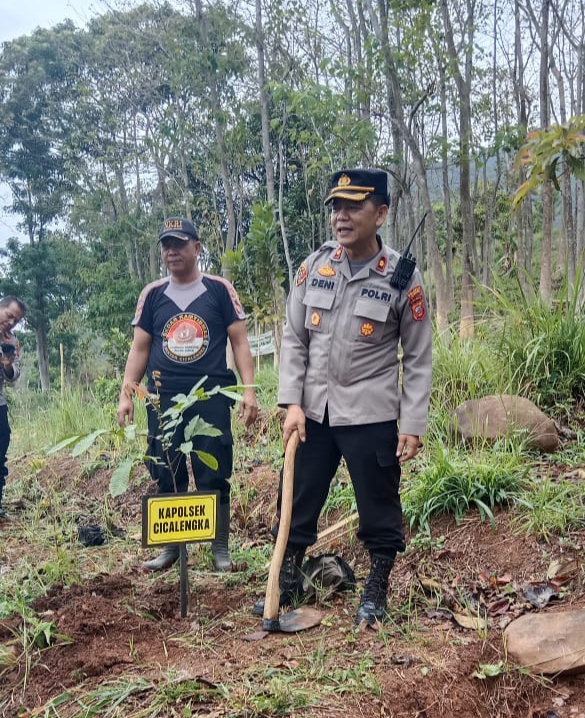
172 224
343 181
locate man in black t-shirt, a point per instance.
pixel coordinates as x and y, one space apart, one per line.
181 327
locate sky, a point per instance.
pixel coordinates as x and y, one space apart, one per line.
22 17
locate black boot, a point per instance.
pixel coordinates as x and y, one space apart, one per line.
290 580
373 604
165 559
219 546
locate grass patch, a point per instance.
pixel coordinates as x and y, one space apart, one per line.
456 483
550 509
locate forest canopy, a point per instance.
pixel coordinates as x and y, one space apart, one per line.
236 115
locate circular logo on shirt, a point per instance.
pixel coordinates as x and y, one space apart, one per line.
185 338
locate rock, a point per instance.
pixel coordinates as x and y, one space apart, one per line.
493 417
549 643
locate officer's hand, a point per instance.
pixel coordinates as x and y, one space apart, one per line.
125 413
248 410
408 446
294 421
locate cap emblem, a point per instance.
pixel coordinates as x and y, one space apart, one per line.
172 224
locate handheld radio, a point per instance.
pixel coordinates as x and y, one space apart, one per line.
406 263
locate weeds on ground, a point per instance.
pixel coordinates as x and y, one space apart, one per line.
543 346
454 483
550 508
135 697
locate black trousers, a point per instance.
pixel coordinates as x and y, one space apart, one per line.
215 411
4 444
369 451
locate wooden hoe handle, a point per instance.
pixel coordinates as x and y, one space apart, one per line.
272 599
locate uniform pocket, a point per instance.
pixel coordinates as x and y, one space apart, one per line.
386 456
318 309
369 320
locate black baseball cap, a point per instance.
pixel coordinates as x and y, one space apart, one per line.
358 185
178 227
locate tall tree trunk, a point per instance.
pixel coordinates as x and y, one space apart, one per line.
264 105
463 81
547 196
283 232
449 291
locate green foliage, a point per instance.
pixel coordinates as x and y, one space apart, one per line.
550 508
490 670
455 484
542 347
40 420
117 344
169 421
463 370
257 266
106 391
551 152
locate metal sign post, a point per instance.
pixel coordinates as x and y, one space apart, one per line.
179 519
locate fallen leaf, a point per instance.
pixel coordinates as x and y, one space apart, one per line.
430 585
562 570
499 606
476 623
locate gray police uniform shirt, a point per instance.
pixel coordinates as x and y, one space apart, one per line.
340 347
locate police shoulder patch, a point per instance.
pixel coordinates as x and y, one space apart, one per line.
301 274
417 303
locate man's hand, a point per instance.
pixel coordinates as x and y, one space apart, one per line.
294 421
248 410
125 413
408 446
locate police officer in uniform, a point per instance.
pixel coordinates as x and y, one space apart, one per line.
339 381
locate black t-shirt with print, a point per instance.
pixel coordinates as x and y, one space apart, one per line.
188 325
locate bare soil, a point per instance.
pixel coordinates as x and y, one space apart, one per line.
123 624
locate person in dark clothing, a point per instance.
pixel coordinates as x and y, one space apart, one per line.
12 310
181 328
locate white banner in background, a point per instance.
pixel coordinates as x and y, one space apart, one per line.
262 344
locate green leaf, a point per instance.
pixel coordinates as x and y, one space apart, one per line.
121 477
186 447
208 459
64 444
231 395
86 443
489 670
199 427
130 432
